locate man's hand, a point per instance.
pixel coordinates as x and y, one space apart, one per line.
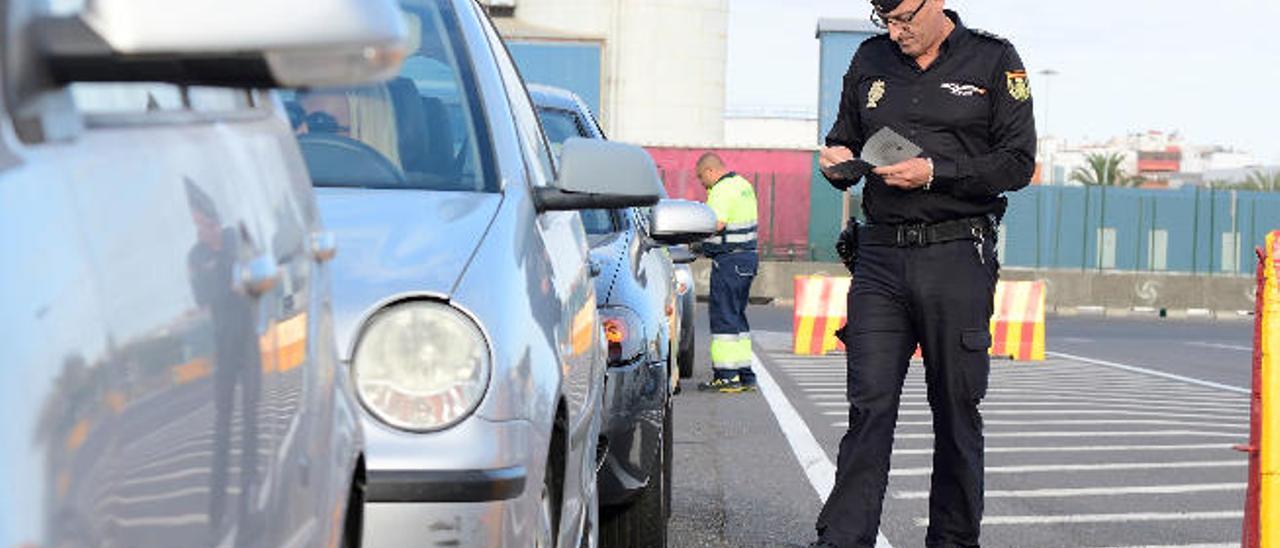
830 156
908 175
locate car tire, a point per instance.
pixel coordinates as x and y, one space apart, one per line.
643 523
546 534
668 457
548 512
685 360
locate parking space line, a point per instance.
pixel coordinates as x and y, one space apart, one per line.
1087 422
1235 418
812 458
1039 468
1102 518
1224 545
1152 372
1093 491
1093 403
1086 448
1067 434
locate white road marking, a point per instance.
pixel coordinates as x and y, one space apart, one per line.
1102 518
812 458
1104 434
1123 397
1086 422
1096 402
1234 418
1094 491
1086 448
1221 346
1039 468
1224 545
1066 408
1152 372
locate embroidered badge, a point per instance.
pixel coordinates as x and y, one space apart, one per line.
963 90
1019 86
875 94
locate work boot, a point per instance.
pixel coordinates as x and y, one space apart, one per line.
723 385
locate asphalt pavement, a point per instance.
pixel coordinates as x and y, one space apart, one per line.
1111 442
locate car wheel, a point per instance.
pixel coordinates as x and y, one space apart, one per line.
643 524
548 503
668 458
685 358
546 535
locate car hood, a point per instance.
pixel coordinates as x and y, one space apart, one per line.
398 242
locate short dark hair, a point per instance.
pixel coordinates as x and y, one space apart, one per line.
709 160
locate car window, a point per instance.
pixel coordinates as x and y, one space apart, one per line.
420 130
600 221
560 125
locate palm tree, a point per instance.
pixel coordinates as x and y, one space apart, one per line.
1262 181
1104 170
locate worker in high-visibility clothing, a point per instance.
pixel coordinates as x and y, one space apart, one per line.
732 251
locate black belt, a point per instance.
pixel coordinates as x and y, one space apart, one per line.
920 235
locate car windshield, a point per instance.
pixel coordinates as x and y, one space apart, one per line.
560 125
420 130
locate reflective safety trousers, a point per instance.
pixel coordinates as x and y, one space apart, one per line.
731 277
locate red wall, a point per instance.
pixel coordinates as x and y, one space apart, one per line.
788 172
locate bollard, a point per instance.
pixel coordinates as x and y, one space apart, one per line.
1017 323
1249 537
1269 439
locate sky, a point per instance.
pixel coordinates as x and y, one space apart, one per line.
1208 70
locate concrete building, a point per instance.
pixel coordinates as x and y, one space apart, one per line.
661 62
771 129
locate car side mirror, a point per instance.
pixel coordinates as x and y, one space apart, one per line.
233 43
677 222
596 174
681 254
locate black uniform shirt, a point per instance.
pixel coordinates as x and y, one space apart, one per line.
970 111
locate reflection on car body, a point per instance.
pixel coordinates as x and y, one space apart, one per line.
171 374
463 298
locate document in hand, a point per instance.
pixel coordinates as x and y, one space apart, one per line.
887 147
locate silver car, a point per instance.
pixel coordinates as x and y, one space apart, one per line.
170 376
639 303
463 294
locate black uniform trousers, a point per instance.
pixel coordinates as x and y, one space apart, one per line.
940 297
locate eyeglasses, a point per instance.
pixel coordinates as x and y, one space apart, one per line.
883 22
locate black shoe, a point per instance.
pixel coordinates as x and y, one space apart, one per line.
822 544
723 386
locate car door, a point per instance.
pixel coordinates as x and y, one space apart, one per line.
566 249
656 274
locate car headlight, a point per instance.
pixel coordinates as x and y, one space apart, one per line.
623 333
421 366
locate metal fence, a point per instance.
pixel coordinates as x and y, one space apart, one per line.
783 200
1196 231
1200 231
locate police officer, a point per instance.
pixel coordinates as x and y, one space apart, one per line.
926 268
734 262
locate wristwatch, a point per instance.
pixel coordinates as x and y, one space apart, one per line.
929 184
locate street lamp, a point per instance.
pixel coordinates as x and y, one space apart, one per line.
1048 75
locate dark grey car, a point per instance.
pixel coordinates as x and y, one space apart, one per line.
639 305
170 375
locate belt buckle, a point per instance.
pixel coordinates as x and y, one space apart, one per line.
911 235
